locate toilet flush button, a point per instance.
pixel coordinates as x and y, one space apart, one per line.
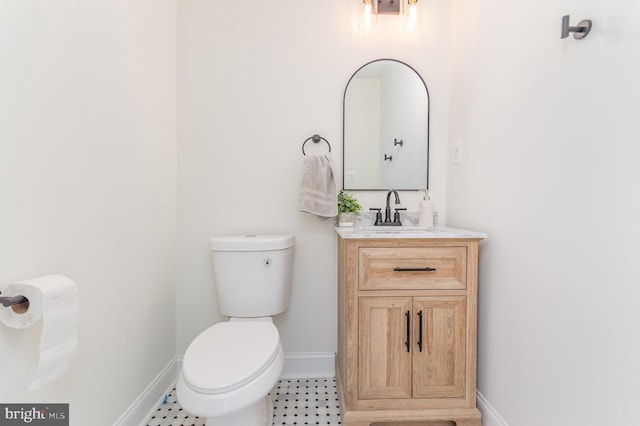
267 262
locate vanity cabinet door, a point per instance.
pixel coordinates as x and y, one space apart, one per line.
411 347
439 366
384 361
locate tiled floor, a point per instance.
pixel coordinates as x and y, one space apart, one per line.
296 402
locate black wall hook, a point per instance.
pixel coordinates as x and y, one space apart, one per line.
579 32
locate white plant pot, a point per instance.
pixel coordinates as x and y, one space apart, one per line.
346 219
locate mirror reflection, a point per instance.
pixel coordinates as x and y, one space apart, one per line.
386 128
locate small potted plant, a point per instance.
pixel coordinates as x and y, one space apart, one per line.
348 208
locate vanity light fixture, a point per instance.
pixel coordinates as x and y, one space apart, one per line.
388 7
411 16
370 9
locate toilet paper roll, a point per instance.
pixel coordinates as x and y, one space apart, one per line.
54 299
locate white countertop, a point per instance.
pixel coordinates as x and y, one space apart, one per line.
359 232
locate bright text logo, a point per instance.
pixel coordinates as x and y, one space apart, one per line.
34 414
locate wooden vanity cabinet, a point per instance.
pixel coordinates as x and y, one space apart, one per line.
407 331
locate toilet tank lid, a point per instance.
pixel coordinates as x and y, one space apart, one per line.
251 242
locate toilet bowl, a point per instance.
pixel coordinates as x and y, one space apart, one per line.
229 370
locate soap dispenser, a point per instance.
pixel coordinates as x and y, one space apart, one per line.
425 213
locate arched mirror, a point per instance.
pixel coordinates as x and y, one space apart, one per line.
386 128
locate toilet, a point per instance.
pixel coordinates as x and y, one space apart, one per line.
230 368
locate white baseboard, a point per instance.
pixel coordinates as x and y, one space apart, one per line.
150 398
490 416
309 365
305 365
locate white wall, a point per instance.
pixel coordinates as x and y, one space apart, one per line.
550 167
88 190
253 84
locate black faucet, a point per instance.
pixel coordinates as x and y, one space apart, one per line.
387 210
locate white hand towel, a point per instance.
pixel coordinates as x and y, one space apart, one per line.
318 191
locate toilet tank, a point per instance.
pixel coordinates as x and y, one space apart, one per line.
252 274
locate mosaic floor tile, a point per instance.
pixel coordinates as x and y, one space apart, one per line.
295 402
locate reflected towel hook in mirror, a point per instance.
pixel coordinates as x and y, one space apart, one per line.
579 32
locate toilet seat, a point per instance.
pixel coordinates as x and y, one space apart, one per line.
228 355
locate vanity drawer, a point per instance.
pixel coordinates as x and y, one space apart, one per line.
412 268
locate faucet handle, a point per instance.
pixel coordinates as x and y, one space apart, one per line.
378 215
396 216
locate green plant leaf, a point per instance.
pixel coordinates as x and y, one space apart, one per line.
347 203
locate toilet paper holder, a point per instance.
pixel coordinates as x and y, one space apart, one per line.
13 300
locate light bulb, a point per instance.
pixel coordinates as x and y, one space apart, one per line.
411 16
367 15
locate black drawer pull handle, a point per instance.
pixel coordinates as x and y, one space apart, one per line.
420 331
408 315
425 269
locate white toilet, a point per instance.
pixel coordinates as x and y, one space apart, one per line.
230 368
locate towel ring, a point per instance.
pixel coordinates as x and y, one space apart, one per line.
315 139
